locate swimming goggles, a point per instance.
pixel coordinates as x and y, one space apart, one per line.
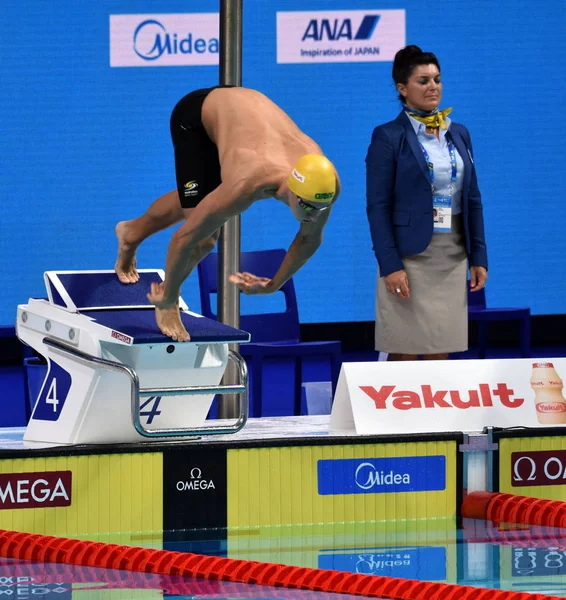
309 207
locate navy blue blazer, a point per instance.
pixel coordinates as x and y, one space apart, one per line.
399 197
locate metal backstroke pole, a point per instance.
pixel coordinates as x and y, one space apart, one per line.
229 243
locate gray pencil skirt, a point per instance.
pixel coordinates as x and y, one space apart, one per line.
434 320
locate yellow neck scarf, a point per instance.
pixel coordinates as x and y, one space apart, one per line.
435 120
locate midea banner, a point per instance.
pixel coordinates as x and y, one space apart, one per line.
164 40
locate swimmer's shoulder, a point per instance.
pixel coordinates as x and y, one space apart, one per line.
251 172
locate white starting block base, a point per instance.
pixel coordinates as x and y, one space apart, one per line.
112 376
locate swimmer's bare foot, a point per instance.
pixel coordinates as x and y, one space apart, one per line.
125 266
170 324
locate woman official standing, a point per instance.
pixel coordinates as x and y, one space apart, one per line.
426 221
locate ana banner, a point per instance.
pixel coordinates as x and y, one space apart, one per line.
466 395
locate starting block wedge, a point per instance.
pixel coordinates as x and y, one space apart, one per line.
112 376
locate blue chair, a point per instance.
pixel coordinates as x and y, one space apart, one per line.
273 335
480 313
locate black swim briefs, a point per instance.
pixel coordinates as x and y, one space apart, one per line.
197 166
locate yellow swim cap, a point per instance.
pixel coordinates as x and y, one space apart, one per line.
314 179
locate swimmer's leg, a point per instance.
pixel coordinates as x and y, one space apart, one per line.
169 319
163 213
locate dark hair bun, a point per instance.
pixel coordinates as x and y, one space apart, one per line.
411 51
407 59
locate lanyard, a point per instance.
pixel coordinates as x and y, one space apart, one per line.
453 164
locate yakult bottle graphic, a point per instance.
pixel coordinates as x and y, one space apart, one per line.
549 401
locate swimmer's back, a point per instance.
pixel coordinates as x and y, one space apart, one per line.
246 118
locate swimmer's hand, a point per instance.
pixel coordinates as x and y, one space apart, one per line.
167 314
251 284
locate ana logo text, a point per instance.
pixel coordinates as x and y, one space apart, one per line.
339 35
336 29
387 396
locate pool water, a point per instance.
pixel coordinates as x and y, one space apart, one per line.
470 552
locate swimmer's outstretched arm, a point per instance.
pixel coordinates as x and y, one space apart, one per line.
305 244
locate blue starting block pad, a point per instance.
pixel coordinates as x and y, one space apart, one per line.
105 353
140 326
100 296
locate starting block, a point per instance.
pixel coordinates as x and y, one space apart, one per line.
112 376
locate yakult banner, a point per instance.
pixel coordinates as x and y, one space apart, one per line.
339 35
164 40
467 395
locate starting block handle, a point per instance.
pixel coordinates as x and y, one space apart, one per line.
199 390
136 393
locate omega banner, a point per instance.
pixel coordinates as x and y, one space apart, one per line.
464 395
531 465
83 495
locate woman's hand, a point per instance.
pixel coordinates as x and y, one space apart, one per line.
397 283
478 278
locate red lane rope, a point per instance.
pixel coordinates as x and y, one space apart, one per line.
23 573
508 508
42 548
